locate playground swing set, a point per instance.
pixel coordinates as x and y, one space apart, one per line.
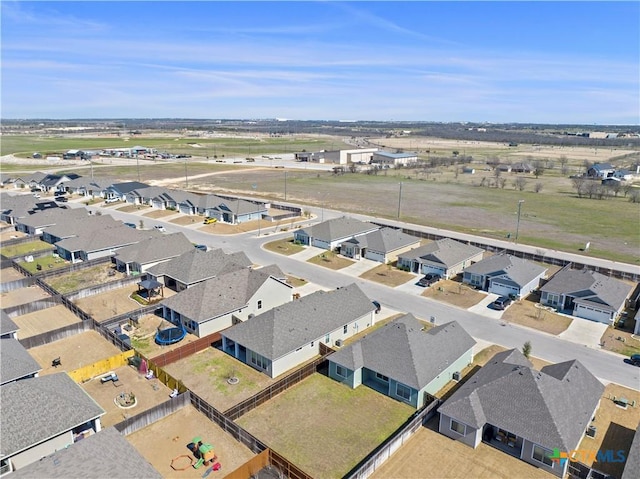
204 456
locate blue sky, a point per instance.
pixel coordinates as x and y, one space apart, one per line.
544 62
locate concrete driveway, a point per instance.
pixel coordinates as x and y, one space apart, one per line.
585 332
308 253
411 287
483 308
359 267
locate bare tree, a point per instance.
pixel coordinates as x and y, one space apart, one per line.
519 183
501 182
538 168
614 188
634 196
563 165
580 184
538 187
592 188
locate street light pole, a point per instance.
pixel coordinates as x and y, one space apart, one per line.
399 199
518 222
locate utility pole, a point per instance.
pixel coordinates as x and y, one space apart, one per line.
186 178
518 222
285 186
399 199
138 165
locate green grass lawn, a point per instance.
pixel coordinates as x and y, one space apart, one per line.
325 427
46 263
23 249
83 278
283 246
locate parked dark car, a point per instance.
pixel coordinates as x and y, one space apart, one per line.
61 199
201 247
428 280
501 303
130 225
634 360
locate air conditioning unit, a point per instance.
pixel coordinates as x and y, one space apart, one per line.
456 376
339 342
591 431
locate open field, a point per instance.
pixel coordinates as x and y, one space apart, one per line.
74 352
526 312
24 249
44 320
303 424
388 275
615 427
168 438
206 373
22 296
84 278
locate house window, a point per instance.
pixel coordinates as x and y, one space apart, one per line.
542 455
403 391
553 299
475 279
382 377
458 427
340 371
345 329
257 360
260 304
327 338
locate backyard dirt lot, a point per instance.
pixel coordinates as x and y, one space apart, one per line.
166 439
112 303
22 296
325 427
206 373
430 455
74 352
84 278
148 393
10 274
44 320
11 234
143 336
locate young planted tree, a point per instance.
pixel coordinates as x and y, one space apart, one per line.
526 349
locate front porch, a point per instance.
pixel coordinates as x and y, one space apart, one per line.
502 440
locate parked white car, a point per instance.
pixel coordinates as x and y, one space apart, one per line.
160 228
111 200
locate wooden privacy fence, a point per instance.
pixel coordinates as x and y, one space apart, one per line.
279 386
187 350
156 413
102 288
56 334
33 306
73 267
289 469
24 239
101 367
379 455
135 314
251 467
19 258
17 284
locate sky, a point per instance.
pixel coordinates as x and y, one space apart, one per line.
528 62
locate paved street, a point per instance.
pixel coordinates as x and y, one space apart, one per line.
609 367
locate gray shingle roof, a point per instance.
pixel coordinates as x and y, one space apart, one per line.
551 407
155 249
281 330
69 226
106 454
127 186
6 324
101 239
589 287
520 271
384 240
237 207
403 351
195 265
53 216
275 271
36 409
338 228
445 251
632 466
217 296
15 361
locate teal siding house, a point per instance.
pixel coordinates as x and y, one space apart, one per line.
404 360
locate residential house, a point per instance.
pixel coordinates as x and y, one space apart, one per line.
15 362
382 245
139 257
624 175
386 159
56 182
34 180
36 222
505 275
632 464
42 415
586 294
286 336
98 243
331 233
8 328
84 186
405 360
119 190
218 303
446 257
71 225
601 170
275 271
196 266
524 412
522 167
105 454
234 211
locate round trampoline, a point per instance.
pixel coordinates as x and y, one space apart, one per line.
170 335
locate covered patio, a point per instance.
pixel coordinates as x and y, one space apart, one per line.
503 440
149 289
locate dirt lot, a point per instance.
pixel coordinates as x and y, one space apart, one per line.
74 352
206 373
11 234
107 305
526 312
168 438
84 278
388 275
143 337
331 260
9 274
454 292
615 427
430 455
148 393
283 246
159 213
22 296
303 424
187 220
45 320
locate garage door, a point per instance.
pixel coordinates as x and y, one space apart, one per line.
375 256
503 290
592 314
